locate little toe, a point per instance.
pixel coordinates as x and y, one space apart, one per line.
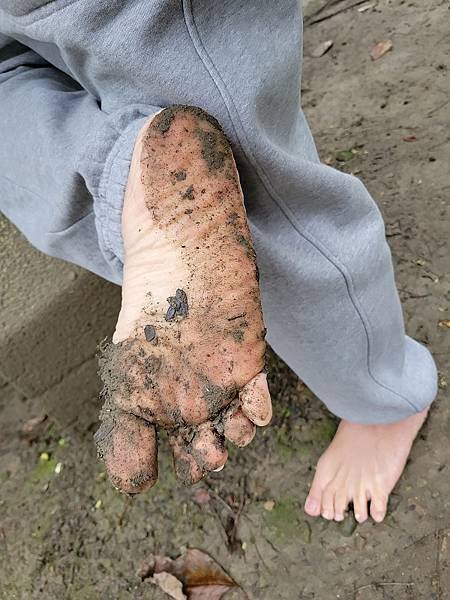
327 510
378 506
128 447
360 507
237 428
256 402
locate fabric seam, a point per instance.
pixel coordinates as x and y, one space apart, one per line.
214 73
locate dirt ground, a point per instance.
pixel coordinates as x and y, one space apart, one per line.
69 535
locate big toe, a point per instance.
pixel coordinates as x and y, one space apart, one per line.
313 503
128 447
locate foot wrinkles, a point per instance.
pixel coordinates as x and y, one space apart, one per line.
188 350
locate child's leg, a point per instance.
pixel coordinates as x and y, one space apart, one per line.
329 297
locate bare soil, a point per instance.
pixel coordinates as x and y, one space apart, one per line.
71 535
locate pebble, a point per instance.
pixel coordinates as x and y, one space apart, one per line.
150 333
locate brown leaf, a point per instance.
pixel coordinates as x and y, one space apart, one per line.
201 576
409 138
322 48
380 49
170 585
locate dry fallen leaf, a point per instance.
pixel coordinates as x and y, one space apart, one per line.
409 138
169 584
201 577
269 505
380 49
322 49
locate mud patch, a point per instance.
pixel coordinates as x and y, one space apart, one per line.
216 397
246 243
189 193
164 119
178 305
150 333
215 148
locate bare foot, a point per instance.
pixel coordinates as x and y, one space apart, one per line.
188 350
362 464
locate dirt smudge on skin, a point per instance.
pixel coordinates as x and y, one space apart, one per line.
180 175
216 396
241 239
150 333
138 480
189 193
164 119
214 148
183 471
178 305
238 335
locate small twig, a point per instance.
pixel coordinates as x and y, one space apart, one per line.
337 12
383 584
437 108
438 563
122 515
217 497
237 317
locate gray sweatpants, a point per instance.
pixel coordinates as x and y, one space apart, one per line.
77 80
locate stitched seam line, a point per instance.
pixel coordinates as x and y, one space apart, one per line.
213 72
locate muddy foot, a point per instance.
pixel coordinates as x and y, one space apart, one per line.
188 350
362 465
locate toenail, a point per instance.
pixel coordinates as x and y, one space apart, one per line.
326 514
339 517
311 505
218 469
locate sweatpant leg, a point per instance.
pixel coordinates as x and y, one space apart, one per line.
63 161
329 297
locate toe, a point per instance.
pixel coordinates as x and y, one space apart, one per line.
186 467
340 504
360 506
128 447
208 448
256 402
322 477
327 509
237 428
378 506
312 505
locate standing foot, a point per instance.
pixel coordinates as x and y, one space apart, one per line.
362 465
